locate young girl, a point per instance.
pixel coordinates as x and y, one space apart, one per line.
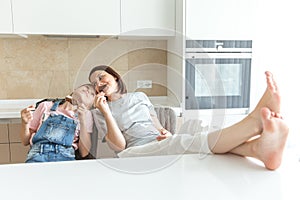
52 130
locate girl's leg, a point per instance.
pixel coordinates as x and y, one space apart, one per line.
224 140
270 145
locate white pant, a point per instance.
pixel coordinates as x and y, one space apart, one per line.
176 144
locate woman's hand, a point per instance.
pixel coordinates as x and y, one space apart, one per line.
101 103
163 134
26 114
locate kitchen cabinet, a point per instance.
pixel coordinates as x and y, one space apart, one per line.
4 154
220 19
4 146
6 25
148 17
18 152
11 148
90 17
66 17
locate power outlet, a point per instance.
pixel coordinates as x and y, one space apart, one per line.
144 84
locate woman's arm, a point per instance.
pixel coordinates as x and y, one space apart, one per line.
26 132
164 133
114 137
155 121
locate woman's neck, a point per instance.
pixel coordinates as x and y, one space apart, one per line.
114 96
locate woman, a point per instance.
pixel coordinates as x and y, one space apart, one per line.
54 128
125 123
128 118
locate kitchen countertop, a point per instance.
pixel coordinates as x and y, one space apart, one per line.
10 109
175 177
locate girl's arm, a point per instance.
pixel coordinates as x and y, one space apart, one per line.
26 132
85 142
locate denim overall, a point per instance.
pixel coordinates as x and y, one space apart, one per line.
53 141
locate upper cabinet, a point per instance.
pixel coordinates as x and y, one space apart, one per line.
6 26
88 17
220 19
148 17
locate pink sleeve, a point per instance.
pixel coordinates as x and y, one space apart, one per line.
89 122
38 114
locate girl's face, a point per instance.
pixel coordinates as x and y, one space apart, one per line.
84 94
104 82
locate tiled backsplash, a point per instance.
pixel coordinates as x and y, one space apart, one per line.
38 67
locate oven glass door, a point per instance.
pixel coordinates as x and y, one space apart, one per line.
214 83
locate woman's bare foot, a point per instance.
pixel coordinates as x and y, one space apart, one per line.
270 99
270 145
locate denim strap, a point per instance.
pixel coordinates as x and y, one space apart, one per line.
55 105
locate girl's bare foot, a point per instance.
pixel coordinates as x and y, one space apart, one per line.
270 145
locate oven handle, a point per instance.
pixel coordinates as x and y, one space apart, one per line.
217 55
218 50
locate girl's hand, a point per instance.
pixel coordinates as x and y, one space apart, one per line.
81 110
26 114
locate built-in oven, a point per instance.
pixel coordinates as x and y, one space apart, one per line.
217 74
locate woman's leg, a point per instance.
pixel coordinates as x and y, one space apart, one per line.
173 145
226 139
268 147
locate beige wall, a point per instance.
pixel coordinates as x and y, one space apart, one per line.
39 67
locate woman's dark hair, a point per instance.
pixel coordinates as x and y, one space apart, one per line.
121 85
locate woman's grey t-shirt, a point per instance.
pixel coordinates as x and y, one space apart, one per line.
132 113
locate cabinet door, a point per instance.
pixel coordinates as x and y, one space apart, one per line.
14 132
18 152
4 144
6 26
220 19
3 134
67 17
4 154
148 17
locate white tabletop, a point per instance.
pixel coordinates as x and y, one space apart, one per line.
162 177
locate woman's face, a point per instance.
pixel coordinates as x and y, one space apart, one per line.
104 82
85 95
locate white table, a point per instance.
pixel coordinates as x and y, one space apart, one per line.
162 177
